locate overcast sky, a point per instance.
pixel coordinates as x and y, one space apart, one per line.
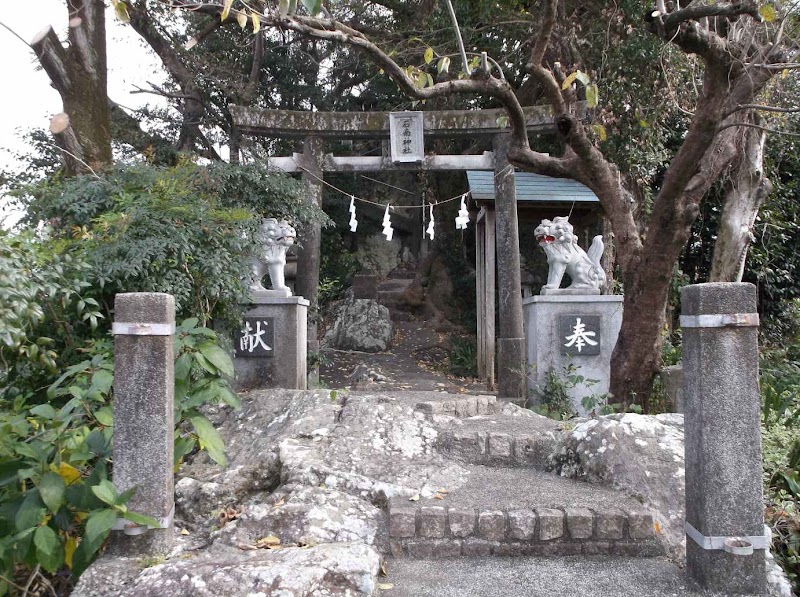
28 101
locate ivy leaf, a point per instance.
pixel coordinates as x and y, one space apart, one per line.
502 122
218 357
444 65
105 416
98 525
69 550
142 520
30 512
51 489
210 439
106 491
9 470
205 363
241 18
182 367
226 10
592 95
582 77
229 397
102 379
121 10
256 22
67 472
569 80
44 410
428 55
600 131
49 551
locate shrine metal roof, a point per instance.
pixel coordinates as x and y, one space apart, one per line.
531 187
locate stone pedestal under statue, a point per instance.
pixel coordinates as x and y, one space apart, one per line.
578 329
270 349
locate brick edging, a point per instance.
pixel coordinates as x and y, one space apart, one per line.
442 531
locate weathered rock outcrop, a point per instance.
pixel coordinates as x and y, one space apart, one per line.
298 505
641 455
361 324
345 569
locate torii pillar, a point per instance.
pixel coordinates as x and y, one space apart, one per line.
511 357
310 236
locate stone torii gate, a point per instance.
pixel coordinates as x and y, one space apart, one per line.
314 127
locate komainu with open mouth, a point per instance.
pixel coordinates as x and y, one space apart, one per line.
560 244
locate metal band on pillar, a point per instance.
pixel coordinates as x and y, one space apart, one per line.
739 545
142 329
726 320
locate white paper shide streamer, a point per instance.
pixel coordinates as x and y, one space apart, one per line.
387 225
430 230
353 221
463 215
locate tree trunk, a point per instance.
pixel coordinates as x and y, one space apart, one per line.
191 107
79 74
746 192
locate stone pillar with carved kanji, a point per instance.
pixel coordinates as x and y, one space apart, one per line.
270 348
571 335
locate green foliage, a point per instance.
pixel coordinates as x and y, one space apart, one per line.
462 276
555 401
780 388
463 358
57 505
671 349
55 454
185 230
338 265
780 395
47 309
782 492
202 369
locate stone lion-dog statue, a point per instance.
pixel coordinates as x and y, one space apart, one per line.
278 237
564 255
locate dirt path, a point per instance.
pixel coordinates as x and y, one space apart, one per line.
416 361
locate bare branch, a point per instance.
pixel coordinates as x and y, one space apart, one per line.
759 127
211 25
459 40
14 33
543 39
762 109
160 92
695 12
255 70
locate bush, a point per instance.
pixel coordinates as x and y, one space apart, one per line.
780 394
188 230
136 228
463 358
56 425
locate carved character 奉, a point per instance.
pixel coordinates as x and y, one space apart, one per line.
564 255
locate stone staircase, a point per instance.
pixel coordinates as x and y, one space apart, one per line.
510 506
390 295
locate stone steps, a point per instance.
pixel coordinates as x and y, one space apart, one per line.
395 285
444 531
581 576
508 512
492 432
460 406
